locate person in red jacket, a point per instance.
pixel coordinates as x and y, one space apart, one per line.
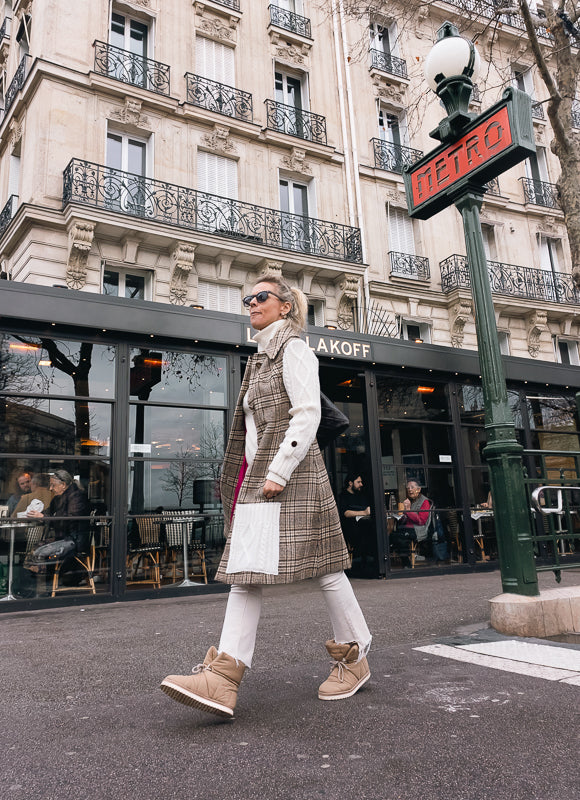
413 525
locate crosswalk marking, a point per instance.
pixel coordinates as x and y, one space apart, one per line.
502 662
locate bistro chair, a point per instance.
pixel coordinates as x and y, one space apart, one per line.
87 562
146 553
175 531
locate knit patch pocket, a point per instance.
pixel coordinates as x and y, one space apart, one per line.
255 538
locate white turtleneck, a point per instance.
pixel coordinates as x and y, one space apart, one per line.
300 376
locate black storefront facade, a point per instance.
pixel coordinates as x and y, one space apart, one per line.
134 401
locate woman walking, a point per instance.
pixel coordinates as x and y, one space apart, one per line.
280 516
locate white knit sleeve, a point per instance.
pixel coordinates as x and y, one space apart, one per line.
300 375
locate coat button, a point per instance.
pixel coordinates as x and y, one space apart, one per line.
294 444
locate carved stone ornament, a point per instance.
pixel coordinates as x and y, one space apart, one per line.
290 53
182 257
344 315
349 286
15 133
388 91
269 265
537 323
394 197
214 28
459 315
80 240
219 140
548 226
296 162
131 114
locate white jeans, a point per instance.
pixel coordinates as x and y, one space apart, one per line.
244 606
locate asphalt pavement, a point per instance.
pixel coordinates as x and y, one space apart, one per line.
83 716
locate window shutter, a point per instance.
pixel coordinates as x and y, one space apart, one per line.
401 238
319 314
216 297
544 254
214 61
14 176
485 235
217 175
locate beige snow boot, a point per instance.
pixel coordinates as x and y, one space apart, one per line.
347 675
213 686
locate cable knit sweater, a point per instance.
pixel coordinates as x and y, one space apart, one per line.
300 375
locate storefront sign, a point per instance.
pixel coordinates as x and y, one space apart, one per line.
332 347
496 140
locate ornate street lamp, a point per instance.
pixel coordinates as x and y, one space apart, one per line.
474 150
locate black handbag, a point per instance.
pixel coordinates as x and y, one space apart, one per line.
332 422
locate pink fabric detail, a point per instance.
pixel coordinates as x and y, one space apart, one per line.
419 517
241 476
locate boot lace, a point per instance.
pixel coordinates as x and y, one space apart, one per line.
200 668
342 668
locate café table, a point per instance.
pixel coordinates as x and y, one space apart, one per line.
185 522
479 514
12 526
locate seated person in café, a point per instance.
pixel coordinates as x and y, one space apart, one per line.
489 502
63 538
39 490
23 482
355 517
413 525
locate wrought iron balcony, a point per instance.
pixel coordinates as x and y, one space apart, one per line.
218 97
127 67
540 193
492 187
16 83
512 280
405 265
295 122
388 63
235 4
538 111
394 157
125 193
488 10
290 21
5 29
8 212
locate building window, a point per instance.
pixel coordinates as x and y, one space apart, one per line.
522 79
401 239
119 282
316 313
214 61
218 297
392 127
566 351
384 38
504 342
23 35
217 175
127 192
550 253
489 244
414 331
129 34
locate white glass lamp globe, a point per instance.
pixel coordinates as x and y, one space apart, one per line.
449 57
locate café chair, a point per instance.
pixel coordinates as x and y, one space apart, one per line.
146 553
176 530
86 561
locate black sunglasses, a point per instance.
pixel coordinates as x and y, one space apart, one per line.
261 297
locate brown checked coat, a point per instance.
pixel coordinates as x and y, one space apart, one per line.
311 540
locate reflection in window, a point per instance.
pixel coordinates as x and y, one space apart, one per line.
176 484
174 377
472 408
91 476
39 365
412 399
193 433
53 426
550 412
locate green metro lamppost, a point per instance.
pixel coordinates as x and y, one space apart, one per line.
475 149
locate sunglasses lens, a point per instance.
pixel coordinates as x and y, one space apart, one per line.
247 300
261 297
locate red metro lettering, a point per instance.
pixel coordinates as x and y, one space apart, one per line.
462 158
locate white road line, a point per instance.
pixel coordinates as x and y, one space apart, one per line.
543 654
504 664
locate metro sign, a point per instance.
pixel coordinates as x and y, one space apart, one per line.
496 140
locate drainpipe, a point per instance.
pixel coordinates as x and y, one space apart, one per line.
354 153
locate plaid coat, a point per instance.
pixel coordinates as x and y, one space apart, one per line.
311 540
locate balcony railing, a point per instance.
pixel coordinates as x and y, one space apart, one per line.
16 83
218 97
540 193
405 265
127 67
235 4
125 193
8 212
295 122
394 157
290 21
388 63
492 187
538 111
482 8
5 29
512 280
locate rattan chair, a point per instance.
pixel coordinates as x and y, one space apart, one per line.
147 553
174 531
